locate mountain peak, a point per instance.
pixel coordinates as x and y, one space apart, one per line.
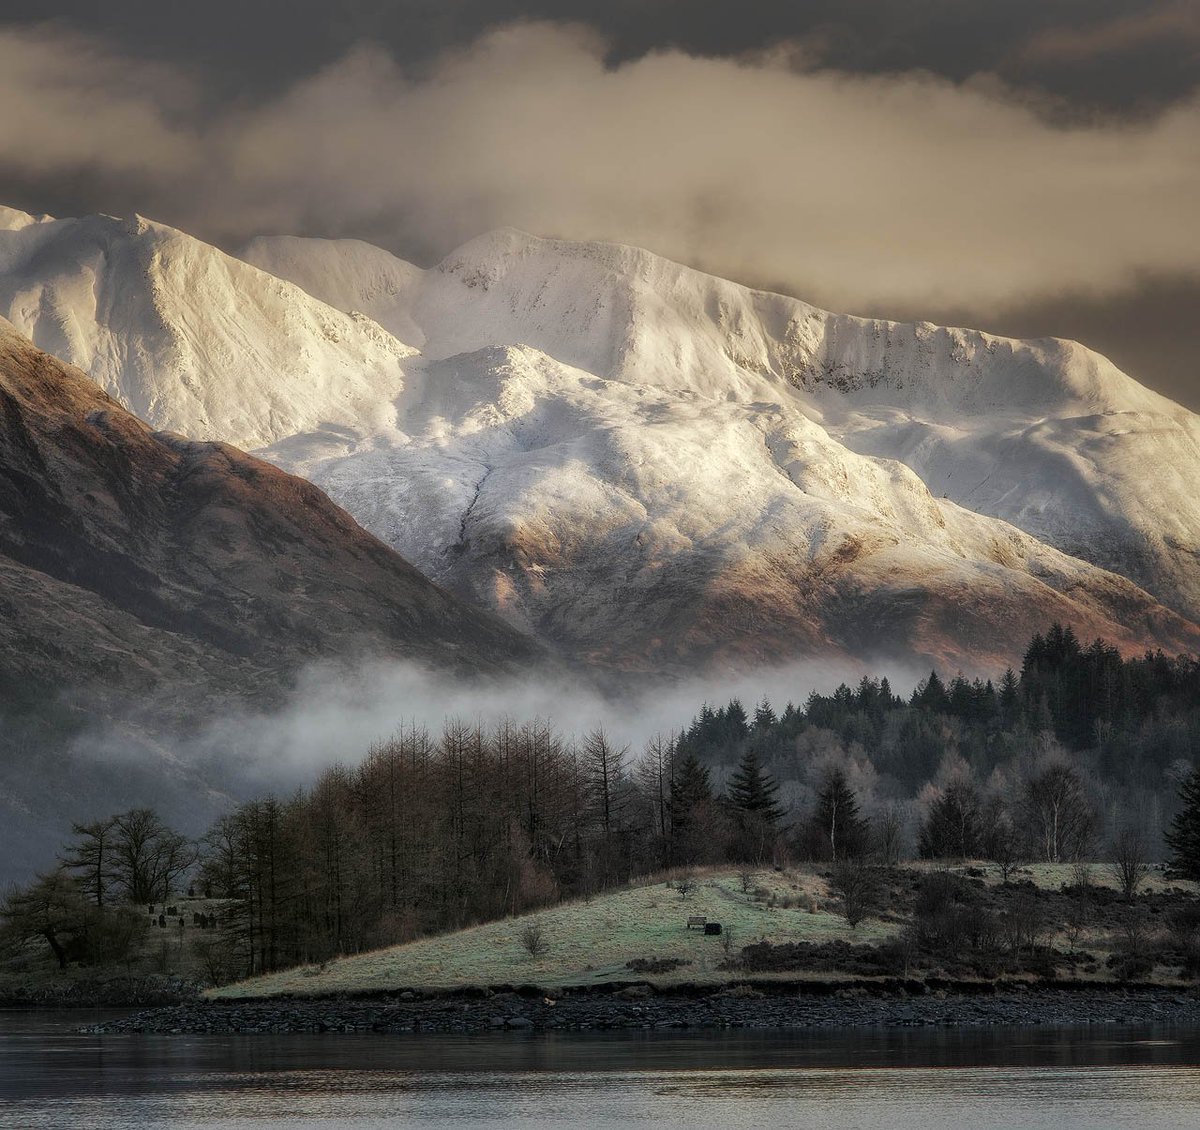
190 338
649 465
191 556
13 219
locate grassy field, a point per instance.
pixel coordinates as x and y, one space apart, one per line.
591 942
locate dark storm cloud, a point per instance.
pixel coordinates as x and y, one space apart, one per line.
1030 167
1109 55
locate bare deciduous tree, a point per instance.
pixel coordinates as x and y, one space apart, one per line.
856 884
147 858
1061 818
1129 866
1004 845
889 835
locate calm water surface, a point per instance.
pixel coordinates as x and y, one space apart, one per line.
52 1076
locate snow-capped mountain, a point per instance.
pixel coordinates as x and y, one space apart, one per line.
134 559
650 467
188 338
1047 435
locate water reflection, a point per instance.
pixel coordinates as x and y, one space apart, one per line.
51 1076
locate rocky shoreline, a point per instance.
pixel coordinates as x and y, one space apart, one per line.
639 1008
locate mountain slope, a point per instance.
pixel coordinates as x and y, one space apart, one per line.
187 337
651 468
151 586
652 528
132 558
1046 435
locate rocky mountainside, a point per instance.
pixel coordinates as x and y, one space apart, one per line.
152 586
647 467
1045 434
134 559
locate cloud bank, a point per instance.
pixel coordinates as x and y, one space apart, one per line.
336 713
858 191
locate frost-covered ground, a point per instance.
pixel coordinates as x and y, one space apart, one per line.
642 464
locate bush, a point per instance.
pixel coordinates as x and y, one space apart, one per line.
533 940
1130 967
857 885
1023 923
1183 926
943 912
216 957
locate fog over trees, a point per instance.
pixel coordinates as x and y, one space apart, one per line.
1082 754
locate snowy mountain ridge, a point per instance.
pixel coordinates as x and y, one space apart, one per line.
643 465
1046 434
190 339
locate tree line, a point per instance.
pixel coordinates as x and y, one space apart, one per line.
433 832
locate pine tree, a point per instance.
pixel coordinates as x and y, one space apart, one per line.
690 785
840 831
736 727
931 695
764 717
691 790
1009 695
961 700
953 830
1184 837
752 789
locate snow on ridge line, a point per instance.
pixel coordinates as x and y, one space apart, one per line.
592 411
347 274
622 311
13 219
1047 434
191 339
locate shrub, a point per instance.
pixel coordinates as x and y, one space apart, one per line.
1077 919
1129 865
857 885
1023 923
943 912
533 940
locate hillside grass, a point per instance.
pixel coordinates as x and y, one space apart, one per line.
590 942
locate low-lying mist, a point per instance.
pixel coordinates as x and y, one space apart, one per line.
335 713
139 754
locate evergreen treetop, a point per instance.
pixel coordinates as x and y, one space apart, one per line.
1184 837
753 790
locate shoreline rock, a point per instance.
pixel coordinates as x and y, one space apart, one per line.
512 1012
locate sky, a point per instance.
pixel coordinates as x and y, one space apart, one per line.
1030 167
